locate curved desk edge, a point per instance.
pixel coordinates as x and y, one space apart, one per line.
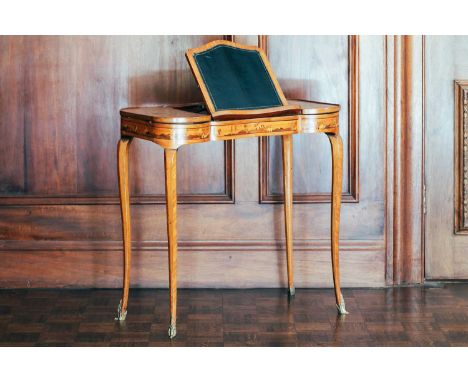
174 126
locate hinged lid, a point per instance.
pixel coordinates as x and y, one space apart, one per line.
237 81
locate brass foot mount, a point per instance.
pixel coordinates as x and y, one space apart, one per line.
342 307
121 314
172 330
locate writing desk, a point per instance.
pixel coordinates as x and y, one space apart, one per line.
243 99
173 127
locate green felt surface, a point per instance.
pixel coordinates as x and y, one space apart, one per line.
236 79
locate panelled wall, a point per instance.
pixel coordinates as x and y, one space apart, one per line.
446 76
59 215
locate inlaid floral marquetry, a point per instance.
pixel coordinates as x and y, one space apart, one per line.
461 157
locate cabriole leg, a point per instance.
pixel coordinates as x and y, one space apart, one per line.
122 164
170 165
337 174
288 204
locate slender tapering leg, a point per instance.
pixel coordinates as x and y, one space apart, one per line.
288 203
170 165
122 164
337 171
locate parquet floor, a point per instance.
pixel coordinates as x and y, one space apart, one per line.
411 316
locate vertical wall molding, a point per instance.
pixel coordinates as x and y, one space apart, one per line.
461 157
404 158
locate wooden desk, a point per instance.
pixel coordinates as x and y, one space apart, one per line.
174 126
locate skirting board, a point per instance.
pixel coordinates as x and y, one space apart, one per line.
249 265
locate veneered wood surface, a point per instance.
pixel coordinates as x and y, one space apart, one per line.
287 148
182 114
336 144
122 169
170 169
312 107
162 114
171 127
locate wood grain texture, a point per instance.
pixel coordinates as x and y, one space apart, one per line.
98 65
124 193
172 131
200 265
405 159
165 114
446 252
61 142
12 151
51 78
170 167
288 206
338 59
336 144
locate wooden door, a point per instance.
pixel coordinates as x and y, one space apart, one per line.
446 159
59 212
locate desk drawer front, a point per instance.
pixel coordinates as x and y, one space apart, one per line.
254 129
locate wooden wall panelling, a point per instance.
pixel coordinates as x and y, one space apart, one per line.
51 82
172 82
96 126
89 237
246 153
221 245
202 267
207 223
446 241
313 68
66 125
12 96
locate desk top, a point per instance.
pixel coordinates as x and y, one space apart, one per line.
176 125
196 113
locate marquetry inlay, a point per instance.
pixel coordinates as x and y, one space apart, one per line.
255 128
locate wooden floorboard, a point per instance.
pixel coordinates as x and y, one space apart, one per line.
410 316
